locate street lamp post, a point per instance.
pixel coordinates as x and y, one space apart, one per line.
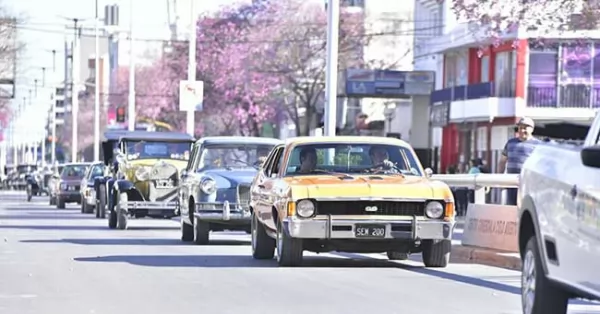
131 101
97 91
190 114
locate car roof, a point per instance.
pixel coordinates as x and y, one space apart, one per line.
117 135
346 139
239 140
77 164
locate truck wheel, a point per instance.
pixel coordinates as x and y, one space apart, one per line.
263 246
101 208
538 294
121 210
60 203
201 231
397 256
187 232
436 254
289 250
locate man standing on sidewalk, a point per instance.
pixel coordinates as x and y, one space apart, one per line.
515 152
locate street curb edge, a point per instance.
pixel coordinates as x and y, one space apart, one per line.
488 257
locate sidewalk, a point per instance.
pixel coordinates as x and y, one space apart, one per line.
467 254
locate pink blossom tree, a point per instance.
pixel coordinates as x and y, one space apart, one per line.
500 16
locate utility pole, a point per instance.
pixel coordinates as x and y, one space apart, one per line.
131 101
97 90
75 92
190 123
53 129
333 23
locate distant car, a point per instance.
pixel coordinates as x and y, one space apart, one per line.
215 191
88 194
352 194
70 184
145 175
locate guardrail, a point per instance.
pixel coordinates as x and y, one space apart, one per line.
479 182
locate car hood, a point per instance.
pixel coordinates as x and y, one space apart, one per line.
230 178
367 186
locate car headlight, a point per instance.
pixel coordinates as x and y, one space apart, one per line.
208 186
434 210
63 186
142 173
305 208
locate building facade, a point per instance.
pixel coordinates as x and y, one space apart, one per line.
483 89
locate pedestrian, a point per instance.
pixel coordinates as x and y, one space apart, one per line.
515 153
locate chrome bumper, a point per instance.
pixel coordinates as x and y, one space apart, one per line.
222 211
152 207
340 227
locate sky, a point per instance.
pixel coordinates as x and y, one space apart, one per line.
43 30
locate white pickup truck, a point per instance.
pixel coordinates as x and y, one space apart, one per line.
559 224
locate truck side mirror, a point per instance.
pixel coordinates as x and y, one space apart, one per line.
590 156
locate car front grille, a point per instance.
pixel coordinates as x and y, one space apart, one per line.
390 208
243 195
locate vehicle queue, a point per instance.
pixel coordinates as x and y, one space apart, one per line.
349 194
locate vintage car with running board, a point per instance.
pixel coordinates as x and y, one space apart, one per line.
349 194
215 192
145 175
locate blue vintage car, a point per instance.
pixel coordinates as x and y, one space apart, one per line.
215 190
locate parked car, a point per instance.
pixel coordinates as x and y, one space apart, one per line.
353 194
87 191
19 181
559 224
144 175
69 184
215 190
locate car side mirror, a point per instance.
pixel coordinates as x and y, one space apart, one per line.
184 174
590 156
428 172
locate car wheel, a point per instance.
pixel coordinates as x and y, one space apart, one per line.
60 203
263 246
121 210
538 294
201 231
397 256
187 231
289 250
82 208
436 254
51 201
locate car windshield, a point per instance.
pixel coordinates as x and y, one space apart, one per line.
352 158
242 155
97 171
156 149
26 168
73 171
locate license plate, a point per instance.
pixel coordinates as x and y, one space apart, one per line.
369 231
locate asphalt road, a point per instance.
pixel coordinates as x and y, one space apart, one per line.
62 262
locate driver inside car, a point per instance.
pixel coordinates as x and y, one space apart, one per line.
308 160
380 160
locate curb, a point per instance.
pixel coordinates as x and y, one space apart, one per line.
488 257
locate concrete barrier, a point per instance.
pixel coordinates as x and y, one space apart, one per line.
492 227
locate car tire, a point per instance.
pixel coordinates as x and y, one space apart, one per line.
60 203
546 297
436 254
289 250
187 232
87 209
101 208
397 256
51 200
201 232
122 211
263 246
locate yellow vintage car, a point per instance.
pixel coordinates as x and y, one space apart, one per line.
349 194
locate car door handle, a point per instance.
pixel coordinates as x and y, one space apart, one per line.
573 192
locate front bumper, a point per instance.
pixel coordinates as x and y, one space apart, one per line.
153 208
70 196
224 211
343 227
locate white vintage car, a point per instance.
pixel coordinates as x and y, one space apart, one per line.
559 224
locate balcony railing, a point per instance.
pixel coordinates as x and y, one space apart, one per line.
472 91
565 96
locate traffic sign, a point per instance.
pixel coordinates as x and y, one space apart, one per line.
191 95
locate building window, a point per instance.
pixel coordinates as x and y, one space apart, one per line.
503 80
450 70
576 64
462 68
485 69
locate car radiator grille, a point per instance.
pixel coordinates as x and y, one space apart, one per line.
243 195
359 208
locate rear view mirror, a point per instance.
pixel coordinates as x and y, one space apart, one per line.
590 156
